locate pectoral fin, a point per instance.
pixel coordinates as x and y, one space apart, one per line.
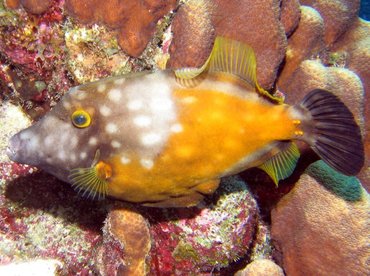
282 165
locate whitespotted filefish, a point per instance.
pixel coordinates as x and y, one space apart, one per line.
166 138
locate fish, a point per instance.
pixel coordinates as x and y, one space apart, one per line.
166 138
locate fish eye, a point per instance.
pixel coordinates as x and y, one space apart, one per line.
81 119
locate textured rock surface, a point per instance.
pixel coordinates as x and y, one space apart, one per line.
261 267
135 21
338 16
319 233
198 240
236 20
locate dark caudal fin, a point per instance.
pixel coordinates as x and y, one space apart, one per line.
330 129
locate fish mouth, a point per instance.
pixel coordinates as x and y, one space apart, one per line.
13 147
11 153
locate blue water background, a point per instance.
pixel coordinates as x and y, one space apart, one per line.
365 10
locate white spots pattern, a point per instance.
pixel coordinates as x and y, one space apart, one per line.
147 163
111 128
150 139
81 95
161 105
177 128
114 95
83 155
93 141
134 105
115 144
119 81
105 110
101 88
62 155
125 160
66 105
142 121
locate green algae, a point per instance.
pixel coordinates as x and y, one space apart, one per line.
346 187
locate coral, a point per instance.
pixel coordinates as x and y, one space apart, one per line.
338 16
261 267
36 6
15 120
193 44
202 240
236 20
127 237
290 15
346 187
35 267
306 42
318 232
135 21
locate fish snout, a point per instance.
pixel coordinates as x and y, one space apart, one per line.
14 147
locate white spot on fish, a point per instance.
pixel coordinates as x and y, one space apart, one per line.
142 121
119 81
66 105
115 144
135 105
74 141
125 160
177 128
189 100
81 95
93 141
72 157
105 110
62 155
161 105
48 141
111 128
150 139
114 95
147 163
101 88
83 155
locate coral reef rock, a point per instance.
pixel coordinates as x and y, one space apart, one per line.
234 19
135 21
196 240
319 233
261 267
127 237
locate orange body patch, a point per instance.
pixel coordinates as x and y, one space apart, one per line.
217 131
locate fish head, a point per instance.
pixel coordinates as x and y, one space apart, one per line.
117 116
63 139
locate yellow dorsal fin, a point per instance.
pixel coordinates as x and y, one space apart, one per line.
227 56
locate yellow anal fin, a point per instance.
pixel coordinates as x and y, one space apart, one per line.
193 198
188 200
208 187
282 165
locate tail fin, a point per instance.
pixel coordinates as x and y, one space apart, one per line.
332 132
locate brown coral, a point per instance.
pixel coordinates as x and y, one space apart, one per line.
320 233
236 20
338 16
126 236
135 21
31 6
